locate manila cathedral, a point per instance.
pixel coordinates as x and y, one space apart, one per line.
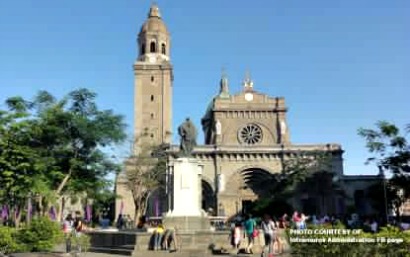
247 138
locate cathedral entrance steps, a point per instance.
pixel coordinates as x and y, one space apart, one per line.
190 244
123 250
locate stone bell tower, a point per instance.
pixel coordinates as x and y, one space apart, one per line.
153 81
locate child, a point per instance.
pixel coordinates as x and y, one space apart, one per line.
237 236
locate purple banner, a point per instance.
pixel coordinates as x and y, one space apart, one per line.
156 207
52 213
88 213
5 212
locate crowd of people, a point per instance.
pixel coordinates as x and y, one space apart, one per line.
244 230
247 230
124 222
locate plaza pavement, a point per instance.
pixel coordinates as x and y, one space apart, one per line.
146 254
59 252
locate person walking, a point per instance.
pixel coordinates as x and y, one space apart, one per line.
250 226
269 234
68 230
235 236
79 228
277 240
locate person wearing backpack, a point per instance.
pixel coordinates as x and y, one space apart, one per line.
78 223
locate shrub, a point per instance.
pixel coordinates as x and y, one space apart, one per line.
81 243
8 240
41 235
373 248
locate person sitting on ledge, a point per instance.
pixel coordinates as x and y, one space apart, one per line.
169 239
159 233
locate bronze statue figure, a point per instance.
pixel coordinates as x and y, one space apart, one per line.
187 132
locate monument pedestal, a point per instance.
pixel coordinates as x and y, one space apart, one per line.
185 196
187 223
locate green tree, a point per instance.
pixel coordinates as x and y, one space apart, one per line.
19 163
391 153
68 138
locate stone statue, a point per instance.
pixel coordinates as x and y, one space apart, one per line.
218 128
282 127
187 132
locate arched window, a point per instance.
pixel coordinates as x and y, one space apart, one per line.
143 49
152 98
163 49
153 48
152 78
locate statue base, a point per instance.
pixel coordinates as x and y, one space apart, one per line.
187 223
186 190
185 212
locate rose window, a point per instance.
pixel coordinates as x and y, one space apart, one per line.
250 134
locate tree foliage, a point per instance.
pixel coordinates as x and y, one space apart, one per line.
19 163
305 167
42 235
376 194
51 147
391 153
375 246
295 171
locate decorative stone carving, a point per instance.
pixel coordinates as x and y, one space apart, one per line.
250 134
282 127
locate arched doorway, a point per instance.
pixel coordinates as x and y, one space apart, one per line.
360 201
258 180
242 189
208 198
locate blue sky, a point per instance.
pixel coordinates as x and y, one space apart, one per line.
340 64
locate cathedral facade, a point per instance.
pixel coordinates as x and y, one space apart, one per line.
246 136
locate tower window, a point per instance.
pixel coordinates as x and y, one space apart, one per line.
143 49
152 115
153 47
163 50
152 78
152 135
152 98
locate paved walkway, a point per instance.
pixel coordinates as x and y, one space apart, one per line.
151 254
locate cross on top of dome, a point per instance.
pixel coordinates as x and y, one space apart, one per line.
247 82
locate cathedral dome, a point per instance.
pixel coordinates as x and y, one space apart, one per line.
154 22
